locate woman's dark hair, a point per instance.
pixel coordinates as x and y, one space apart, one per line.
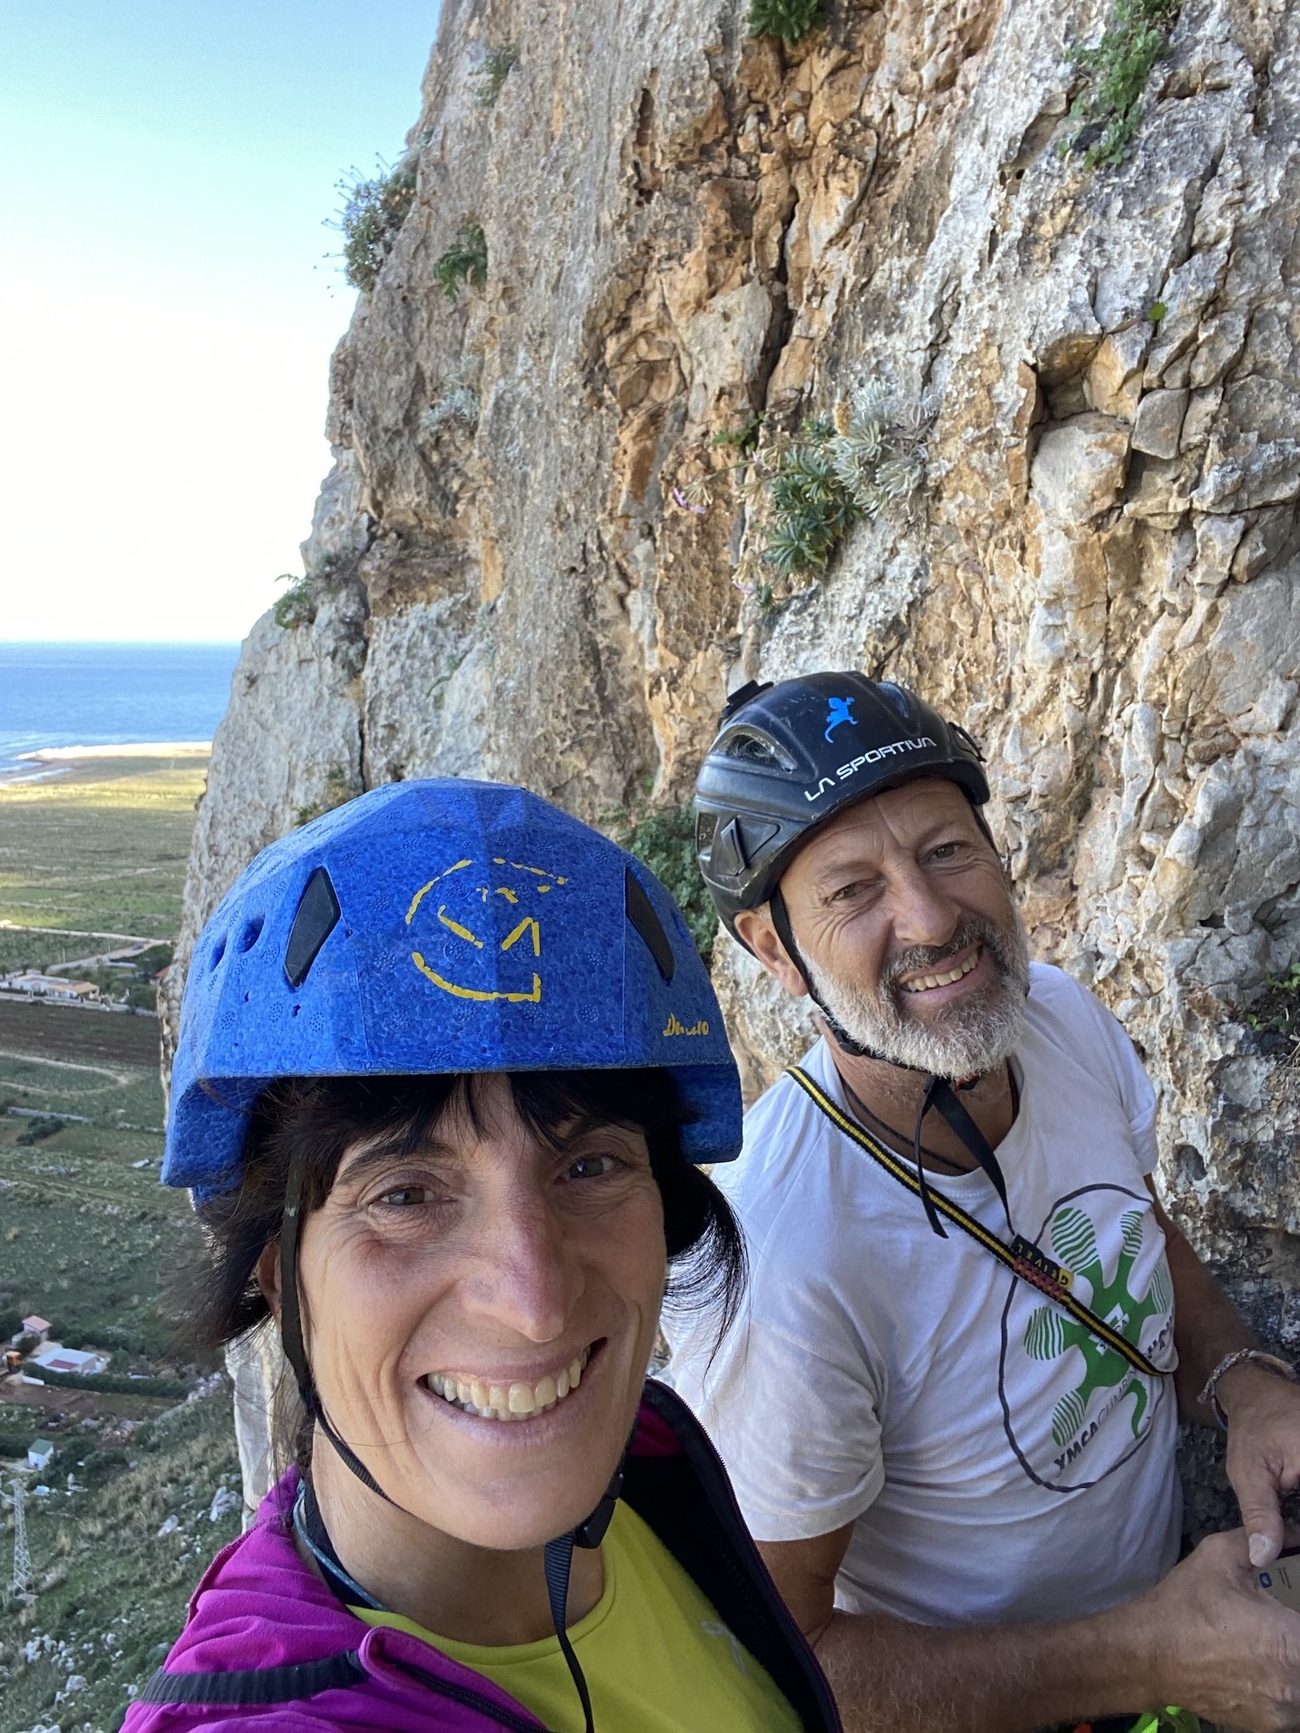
315 1120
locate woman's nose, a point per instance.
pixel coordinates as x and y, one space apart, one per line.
525 1277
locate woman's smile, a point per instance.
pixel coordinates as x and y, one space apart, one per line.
503 1397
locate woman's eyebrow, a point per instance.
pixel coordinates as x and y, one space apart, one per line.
380 1155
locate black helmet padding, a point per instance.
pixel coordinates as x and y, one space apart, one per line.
789 756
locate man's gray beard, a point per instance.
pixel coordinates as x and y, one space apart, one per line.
971 1036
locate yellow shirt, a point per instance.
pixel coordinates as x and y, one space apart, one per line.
656 1656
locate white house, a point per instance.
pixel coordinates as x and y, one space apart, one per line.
54 1357
40 1453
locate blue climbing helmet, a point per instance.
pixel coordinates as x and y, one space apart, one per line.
435 927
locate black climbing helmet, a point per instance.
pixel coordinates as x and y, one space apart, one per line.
788 756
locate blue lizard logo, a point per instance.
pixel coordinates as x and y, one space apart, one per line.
839 710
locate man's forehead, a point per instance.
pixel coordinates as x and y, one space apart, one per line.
898 815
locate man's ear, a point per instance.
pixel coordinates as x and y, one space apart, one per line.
267 1272
755 927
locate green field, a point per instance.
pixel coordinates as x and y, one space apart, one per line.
102 850
90 1240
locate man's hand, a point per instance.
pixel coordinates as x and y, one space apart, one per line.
1263 1413
1207 1638
1262 1409
1226 1649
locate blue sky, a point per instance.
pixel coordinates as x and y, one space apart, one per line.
166 309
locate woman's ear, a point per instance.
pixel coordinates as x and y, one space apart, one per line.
267 1271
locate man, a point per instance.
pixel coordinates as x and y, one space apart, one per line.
949 1409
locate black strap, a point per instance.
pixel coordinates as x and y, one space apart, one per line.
259 1684
785 932
295 1351
309 1526
941 1094
1019 1259
558 1560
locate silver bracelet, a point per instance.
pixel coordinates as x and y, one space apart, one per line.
1208 1397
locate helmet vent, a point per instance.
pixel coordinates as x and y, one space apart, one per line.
754 748
897 697
641 913
317 916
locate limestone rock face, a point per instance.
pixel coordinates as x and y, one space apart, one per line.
1099 574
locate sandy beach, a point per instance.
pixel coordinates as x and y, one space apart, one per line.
140 749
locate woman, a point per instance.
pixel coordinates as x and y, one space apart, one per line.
448 1061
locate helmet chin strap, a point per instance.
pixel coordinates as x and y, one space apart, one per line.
940 1092
557 1555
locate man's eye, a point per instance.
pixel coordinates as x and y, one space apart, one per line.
846 893
589 1167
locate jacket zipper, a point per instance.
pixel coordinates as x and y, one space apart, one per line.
740 1544
467 1698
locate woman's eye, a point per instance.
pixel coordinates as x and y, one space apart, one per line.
404 1196
589 1167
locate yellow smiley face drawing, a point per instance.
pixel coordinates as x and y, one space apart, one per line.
490 908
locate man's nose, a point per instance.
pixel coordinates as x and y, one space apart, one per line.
923 912
525 1278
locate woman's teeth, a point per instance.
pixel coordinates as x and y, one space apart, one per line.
509 1401
923 983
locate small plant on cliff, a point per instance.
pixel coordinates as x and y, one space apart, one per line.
791 20
743 439
457 401
496 66
811 489
297 606
464 262
1105 113
338 791
664 838
372 213
1275 1015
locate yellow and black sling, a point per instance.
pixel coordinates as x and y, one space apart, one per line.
1024 1260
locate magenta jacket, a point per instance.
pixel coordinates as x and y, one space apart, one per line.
267 1646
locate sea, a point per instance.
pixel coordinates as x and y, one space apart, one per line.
106 695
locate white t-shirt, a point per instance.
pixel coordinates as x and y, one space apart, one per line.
1000 1465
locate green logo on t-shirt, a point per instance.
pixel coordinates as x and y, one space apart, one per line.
1049 1333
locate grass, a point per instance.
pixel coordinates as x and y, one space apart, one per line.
111 1592
103 850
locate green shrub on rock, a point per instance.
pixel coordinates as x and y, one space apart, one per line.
464 262
373 212
1105 113
664 838
791 20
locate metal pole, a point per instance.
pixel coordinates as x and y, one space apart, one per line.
22 1582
